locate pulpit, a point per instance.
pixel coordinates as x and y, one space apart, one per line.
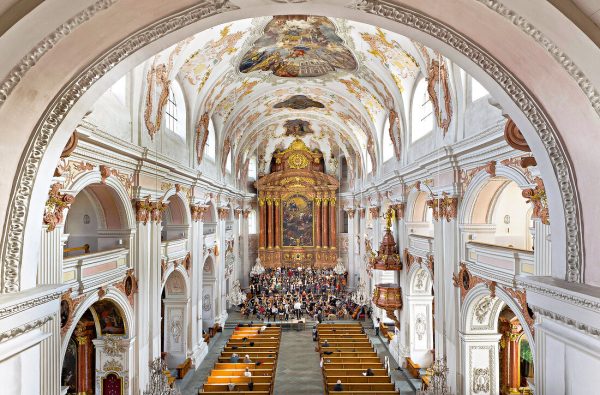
297 210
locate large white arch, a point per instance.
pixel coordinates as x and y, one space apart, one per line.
515 101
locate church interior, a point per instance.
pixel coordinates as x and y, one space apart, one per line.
288 197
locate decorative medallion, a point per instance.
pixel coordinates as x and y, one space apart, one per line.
297 161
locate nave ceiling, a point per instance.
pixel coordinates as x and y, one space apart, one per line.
248 78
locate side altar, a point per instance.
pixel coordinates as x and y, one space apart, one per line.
297 210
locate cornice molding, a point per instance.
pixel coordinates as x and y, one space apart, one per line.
590 330
28 61
28 327
28 304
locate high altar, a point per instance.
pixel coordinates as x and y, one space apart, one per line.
297 204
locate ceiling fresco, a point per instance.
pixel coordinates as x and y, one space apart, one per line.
335 83
299 102
298 46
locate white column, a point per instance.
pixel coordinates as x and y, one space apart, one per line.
237 269
480 364
175 330
221 310
141 263
247 265
155 290
419 314
542 249
352 268
50 272
199 347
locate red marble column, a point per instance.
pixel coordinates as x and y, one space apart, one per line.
332 224
324 222
269 223
317 222
85 373
277 209
263 224
514 363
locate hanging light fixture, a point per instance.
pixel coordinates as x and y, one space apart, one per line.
237 296
257 269
339 268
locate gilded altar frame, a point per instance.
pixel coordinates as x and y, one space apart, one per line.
297 171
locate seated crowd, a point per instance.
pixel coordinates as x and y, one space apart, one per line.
281 294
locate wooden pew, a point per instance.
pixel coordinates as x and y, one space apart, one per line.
375 388
332 371
184 368
413 368
243 387
358 379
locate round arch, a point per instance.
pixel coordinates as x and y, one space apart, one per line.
113 295
94 178
431 25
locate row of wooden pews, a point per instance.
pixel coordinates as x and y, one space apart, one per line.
261 347
349 355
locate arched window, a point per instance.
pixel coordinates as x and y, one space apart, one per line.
210 147
252 168
175 115
228 163
477 90
388 145
252 222
422 111
119 90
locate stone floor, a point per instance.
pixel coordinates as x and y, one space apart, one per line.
298 370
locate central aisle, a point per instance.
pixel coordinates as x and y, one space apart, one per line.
298 370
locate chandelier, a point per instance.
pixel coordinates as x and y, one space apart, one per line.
237 296
158 384
257 269
339 268
360 295
438 384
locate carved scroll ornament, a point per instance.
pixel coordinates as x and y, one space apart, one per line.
55 205
537 197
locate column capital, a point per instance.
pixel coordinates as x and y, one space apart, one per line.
223 213
350 211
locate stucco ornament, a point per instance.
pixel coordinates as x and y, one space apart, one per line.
481 380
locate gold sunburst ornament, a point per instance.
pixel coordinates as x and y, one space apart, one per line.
297 161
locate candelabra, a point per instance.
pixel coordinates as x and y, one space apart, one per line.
158 384
360 295
438 384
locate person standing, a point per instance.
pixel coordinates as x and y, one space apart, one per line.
377 327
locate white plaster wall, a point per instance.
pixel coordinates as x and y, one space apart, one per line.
79 232
20 374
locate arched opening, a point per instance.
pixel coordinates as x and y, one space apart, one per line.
97 352
419 217
516 357
502 215
96 222
174 220
493 330
175 320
